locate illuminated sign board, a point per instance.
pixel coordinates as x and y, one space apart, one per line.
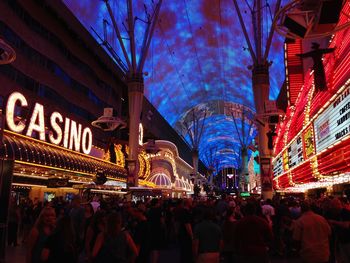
140 134
285 161
333 124
295 152
289 158
71 136
256 162
230 176
278 166
308 140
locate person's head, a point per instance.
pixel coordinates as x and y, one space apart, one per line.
284 201
293 203
103 206
268 201
336 205
141 207
208 213
305 206
88 209
138 215
188 202
155 202
60 212
47 218
76 201
230 213
13 201
250 208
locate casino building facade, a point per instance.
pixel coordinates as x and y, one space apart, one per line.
312 146
59 83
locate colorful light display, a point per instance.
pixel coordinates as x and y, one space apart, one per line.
321 120
333 124
197 55
74 137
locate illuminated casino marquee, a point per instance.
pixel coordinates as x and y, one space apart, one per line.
71 136
334 123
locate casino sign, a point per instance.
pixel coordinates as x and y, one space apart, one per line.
70 135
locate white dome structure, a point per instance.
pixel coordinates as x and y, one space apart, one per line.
161 180
180 184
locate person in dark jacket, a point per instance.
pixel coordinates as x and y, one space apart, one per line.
114 245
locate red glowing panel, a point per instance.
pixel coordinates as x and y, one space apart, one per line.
295 69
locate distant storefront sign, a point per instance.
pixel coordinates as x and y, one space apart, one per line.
333 124
308 139
278 166
295 152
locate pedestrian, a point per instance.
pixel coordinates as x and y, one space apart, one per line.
254 236
42 229
183 217
114 245
228 232
207 239
61 246
312 232
14 217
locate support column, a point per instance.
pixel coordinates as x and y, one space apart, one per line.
211 176
6 166
195 165
244 172
135 92
261 87
6 175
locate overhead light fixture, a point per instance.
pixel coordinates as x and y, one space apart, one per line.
107 122
100 178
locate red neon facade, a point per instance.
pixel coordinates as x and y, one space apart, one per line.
310 115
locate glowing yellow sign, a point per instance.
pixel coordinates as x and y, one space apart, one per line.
74 136
308 138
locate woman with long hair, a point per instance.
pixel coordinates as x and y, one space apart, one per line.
42 229
61 246
114 245
97 226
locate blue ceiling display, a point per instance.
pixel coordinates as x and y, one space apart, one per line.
198 58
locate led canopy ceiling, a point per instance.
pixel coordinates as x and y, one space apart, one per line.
198 57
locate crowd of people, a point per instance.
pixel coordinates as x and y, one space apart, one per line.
212 230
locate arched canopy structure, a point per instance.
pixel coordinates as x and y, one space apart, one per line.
198 57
